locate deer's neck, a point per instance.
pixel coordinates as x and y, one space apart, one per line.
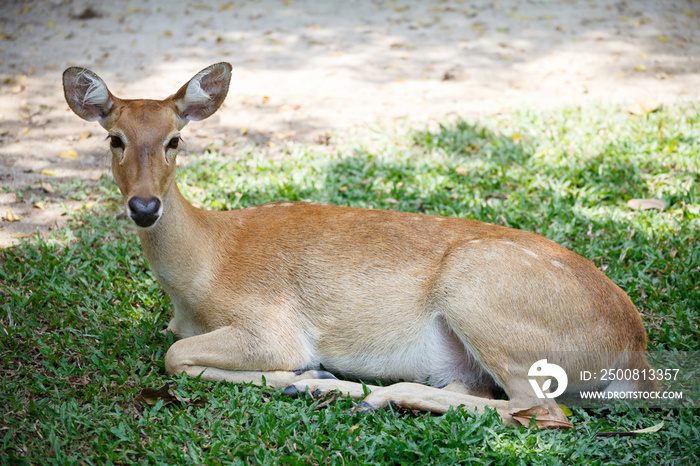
177 247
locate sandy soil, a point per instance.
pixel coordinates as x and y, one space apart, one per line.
304 68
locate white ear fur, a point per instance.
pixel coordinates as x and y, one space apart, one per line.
195 94
96 93
204 93
86 94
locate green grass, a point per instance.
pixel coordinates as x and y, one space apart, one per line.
80 312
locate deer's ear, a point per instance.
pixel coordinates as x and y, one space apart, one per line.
87 95
204 93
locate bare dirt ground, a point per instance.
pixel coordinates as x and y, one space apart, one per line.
303 68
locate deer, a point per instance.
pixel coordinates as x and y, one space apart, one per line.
437 312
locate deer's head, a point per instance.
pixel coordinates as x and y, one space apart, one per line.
144 135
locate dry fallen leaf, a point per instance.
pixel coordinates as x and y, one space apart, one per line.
402 45
461 171
623 433
643 106
84 12
47 188
69 154
324 139
449 75
11 216
86 206
650 430
167 395
541 419
38 205
48 172
151 396
646 204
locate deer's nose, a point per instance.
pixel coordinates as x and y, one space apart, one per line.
144 212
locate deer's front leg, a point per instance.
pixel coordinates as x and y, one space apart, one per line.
237 356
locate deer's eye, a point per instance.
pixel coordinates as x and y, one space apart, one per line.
172 144
115 142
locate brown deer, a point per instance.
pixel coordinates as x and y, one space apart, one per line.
449 308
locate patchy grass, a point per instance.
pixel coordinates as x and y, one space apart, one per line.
80 312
